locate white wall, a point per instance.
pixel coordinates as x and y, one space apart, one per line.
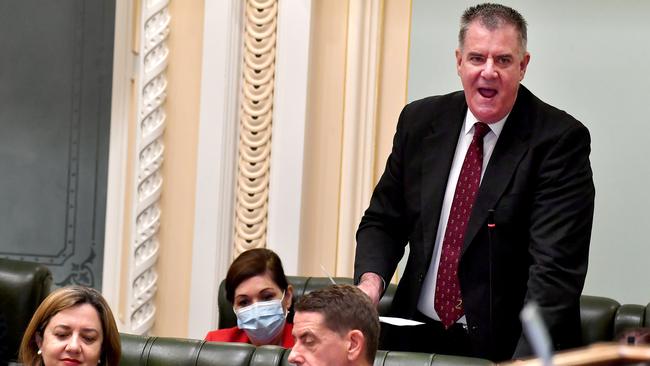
591 59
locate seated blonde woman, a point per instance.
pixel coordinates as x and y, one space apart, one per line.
72 326
261 297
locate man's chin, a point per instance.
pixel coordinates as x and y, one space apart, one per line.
486 114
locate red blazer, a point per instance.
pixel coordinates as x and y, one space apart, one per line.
237 335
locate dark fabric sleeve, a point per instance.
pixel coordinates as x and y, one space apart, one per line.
560 232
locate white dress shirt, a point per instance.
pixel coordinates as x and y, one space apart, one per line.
427 295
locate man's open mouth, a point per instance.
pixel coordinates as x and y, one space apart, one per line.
487 92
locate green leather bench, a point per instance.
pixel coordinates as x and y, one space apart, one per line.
23 286
159 351
603 319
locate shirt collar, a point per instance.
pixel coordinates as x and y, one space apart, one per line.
495 127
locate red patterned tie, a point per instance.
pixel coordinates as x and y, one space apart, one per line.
448 300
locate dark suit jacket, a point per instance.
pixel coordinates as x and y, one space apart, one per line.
539 185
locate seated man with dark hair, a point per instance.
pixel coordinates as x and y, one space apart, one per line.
335 326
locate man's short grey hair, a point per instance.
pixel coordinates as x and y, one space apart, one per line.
344 308
493 16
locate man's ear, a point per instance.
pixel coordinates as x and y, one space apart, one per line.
459 59
523 65
356 345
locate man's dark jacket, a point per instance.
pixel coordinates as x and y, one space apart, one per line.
538 191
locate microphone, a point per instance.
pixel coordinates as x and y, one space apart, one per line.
327 274
491 225
536 333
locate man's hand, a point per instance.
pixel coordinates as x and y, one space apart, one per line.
372 285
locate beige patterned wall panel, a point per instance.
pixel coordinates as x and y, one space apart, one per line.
357 87
256 112
359 125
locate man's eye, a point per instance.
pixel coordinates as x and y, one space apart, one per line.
504 60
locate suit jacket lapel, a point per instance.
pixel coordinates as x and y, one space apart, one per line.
438 151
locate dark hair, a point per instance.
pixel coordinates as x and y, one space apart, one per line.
493 16
344 308
65 298
252 263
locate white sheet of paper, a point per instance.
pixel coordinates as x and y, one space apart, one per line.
401 322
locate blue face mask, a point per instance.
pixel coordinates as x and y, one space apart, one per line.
262 321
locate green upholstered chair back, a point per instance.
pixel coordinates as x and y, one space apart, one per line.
392 358
23 286
301 286
159 351
604 319
151 351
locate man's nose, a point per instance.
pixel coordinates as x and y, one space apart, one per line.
489 72
294 356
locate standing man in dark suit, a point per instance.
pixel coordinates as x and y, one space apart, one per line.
492 189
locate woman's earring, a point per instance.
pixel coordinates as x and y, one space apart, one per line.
39 352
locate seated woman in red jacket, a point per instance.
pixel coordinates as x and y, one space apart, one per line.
261 298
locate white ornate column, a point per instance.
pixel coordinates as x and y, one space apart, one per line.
150 93
256 112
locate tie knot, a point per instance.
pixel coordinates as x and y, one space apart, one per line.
480 130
